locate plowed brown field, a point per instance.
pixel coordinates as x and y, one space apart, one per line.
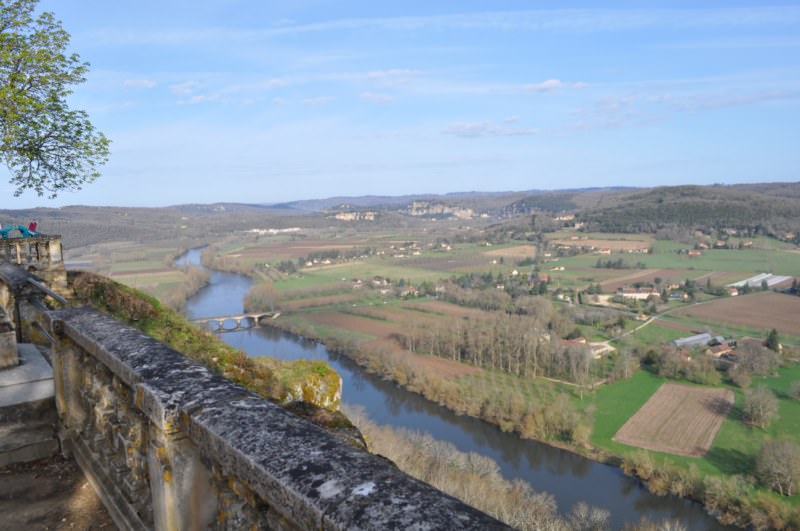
678 419
765 310
363 325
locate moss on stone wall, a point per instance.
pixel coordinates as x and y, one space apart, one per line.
311 381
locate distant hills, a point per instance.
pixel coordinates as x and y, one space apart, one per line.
764 208
551 200
760 208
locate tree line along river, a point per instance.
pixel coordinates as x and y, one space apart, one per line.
568 477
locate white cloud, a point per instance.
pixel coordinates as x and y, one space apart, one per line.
551 20
139 83
376 98
487 129
183 89
644 108
198 98
552 85
317 101
393 72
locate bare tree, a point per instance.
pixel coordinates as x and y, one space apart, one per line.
760 406
757 359
778 466
586 518
794 389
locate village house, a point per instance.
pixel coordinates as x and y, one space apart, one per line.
695 252
637 293
717 351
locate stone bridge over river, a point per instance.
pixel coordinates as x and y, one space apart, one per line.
169 444
240 322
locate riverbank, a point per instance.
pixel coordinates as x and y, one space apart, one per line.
728 499
568 476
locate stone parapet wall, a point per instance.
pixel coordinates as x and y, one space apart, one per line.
41 255
8 341
171 445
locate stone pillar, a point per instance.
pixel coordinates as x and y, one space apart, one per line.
54 251
181 486
9 357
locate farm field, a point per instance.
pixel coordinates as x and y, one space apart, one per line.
517 252
765 310
384 320
678 419
647 276
614 245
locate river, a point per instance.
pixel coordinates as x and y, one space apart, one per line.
568 477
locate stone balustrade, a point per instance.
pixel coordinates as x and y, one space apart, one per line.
170 445
41 255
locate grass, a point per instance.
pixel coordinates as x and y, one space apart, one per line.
326 331
655 334
769 257
136 265
736 445
729 330
615 404
325 276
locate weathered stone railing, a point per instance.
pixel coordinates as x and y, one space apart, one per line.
170 445
41 255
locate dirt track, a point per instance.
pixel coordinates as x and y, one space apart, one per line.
678 419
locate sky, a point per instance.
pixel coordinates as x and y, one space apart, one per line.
266 102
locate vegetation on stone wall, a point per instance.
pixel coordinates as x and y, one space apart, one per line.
268 377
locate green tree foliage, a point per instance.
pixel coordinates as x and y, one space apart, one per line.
47 146
773 340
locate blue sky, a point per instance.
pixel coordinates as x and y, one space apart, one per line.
265 102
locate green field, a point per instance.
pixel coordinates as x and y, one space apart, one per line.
736 445
772 257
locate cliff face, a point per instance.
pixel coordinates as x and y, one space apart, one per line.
367 215
438 210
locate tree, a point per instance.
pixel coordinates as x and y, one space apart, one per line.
47 146
778 466
760 406
794 389
261 298
773 340
756 359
